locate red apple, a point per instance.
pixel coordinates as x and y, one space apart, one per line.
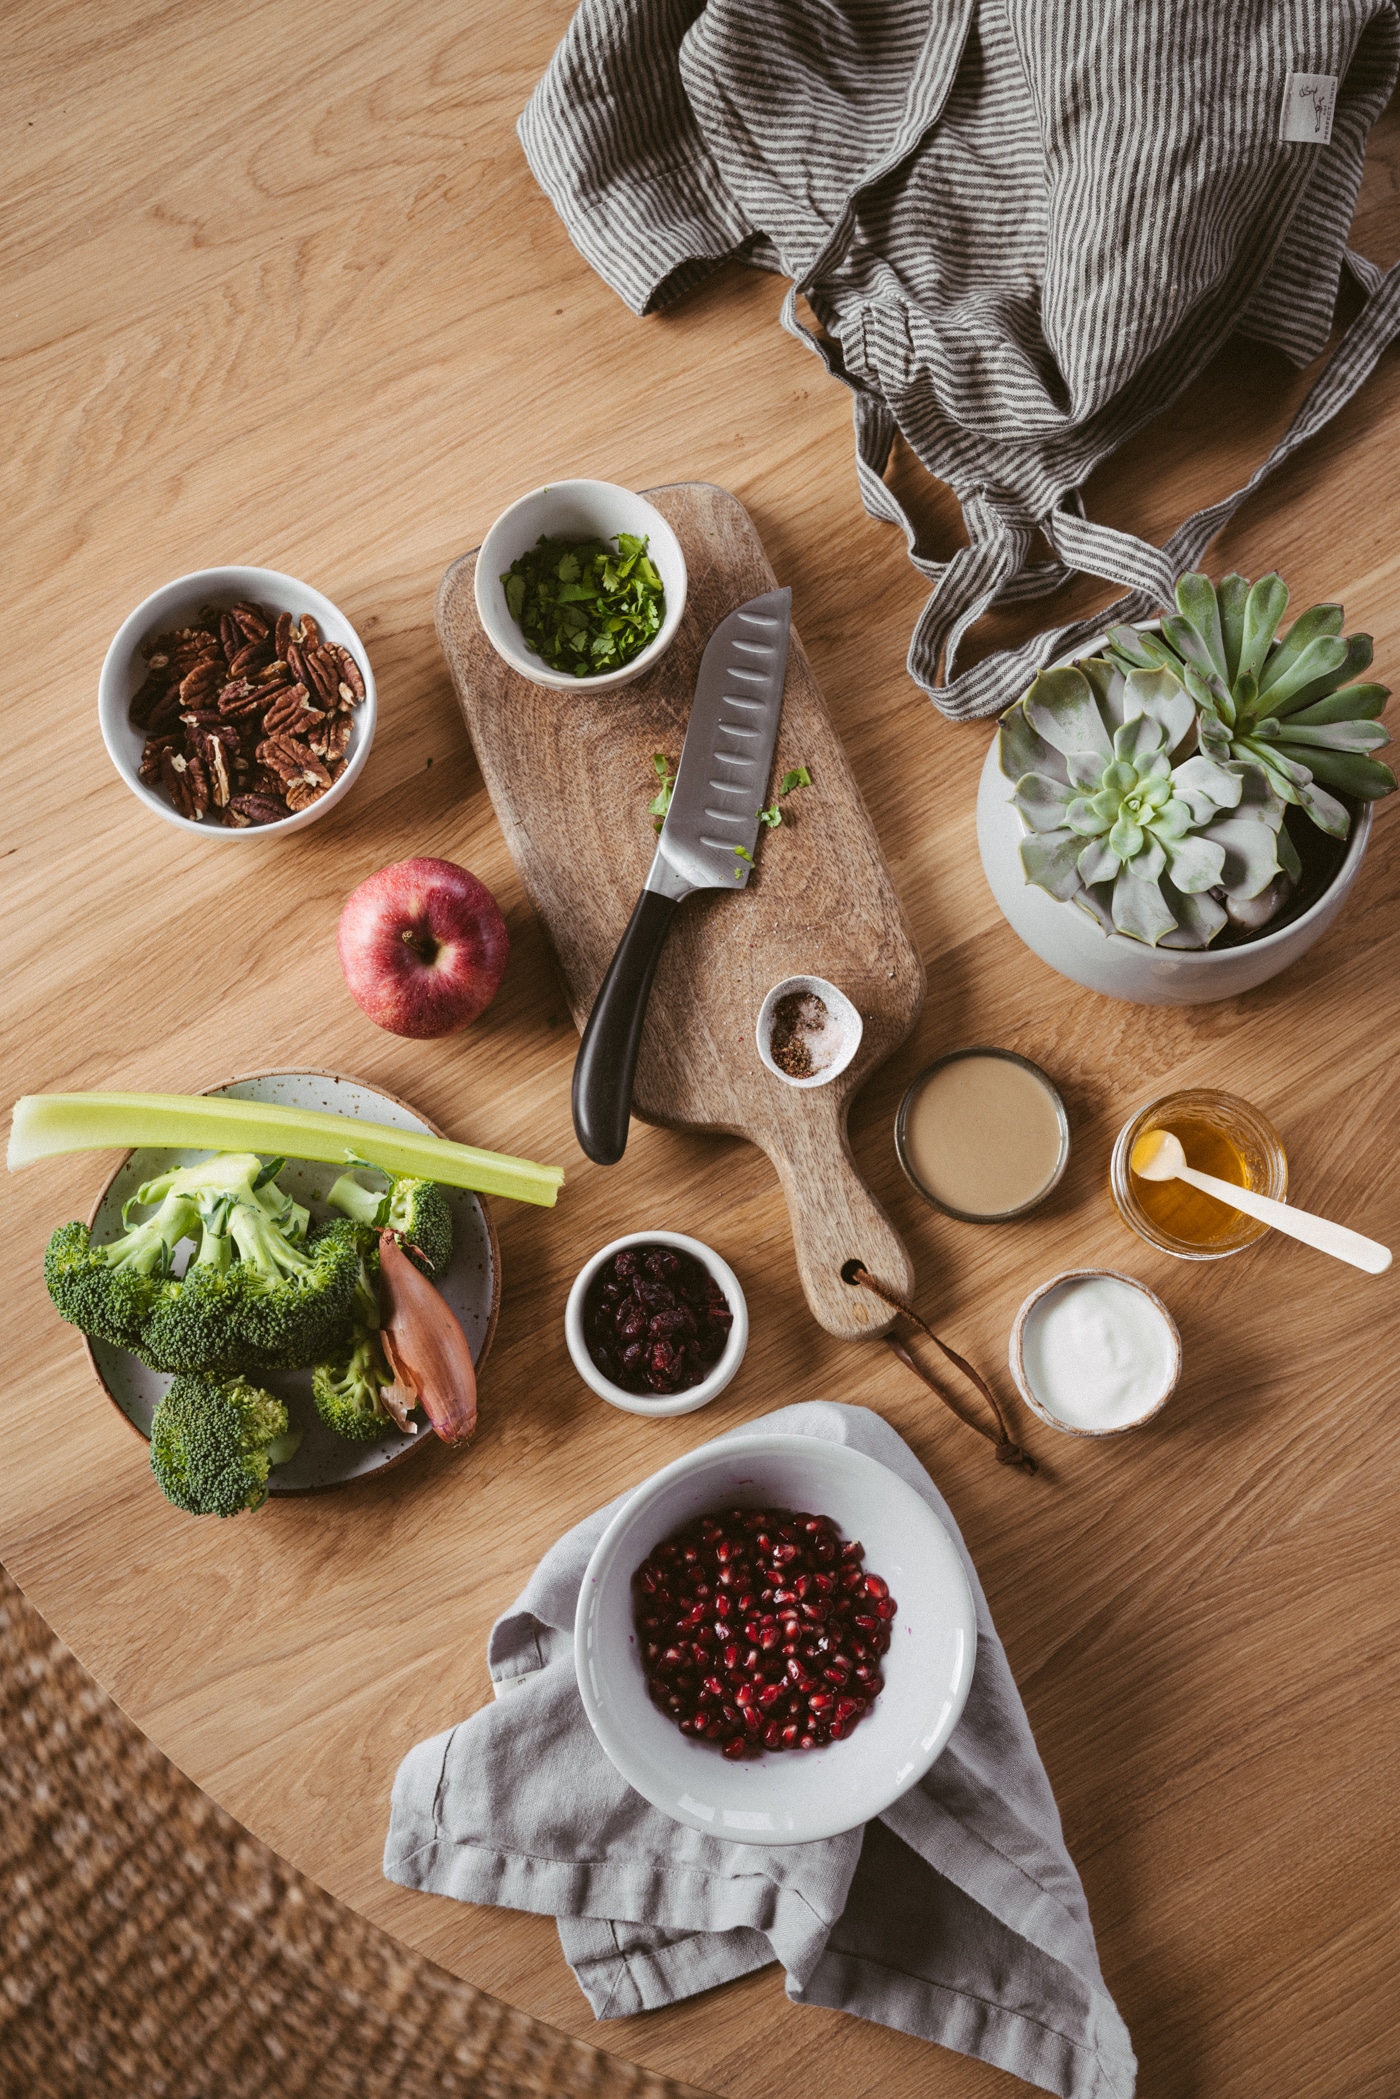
423 946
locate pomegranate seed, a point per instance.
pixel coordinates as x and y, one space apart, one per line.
813 1623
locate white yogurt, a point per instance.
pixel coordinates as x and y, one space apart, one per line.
1097 1352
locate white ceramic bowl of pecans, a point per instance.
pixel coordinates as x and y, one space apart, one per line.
237 702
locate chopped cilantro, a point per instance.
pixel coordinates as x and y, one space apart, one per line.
772 816
586 606
657 808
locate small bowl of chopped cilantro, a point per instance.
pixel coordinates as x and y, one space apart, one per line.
581 583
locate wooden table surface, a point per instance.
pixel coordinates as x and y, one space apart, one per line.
279 289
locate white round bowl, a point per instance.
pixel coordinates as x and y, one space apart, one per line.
175 605
1020 1372
661 1405
575 510
849 1026
788 1796
1072 942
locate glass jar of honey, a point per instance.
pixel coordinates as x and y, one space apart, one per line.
1220 1134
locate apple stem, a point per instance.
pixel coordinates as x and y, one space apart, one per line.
422 944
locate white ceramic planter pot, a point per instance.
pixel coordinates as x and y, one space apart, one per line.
1070 940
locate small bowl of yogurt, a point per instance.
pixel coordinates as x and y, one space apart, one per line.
1095 1352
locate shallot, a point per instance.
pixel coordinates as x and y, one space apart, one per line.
423 1340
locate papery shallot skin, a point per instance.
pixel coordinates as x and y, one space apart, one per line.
425 1344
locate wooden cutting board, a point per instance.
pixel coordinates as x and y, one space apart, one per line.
570 777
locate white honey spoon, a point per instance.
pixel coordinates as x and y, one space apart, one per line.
1158 1156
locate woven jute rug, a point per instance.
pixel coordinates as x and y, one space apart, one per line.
151 1948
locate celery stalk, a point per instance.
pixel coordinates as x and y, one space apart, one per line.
44 1124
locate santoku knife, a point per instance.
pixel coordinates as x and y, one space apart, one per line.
706 842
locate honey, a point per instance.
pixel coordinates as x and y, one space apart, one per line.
1220 1135
1177 1209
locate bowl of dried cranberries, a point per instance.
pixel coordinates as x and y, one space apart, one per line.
656 1323
775 1638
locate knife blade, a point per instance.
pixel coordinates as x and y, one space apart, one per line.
706 842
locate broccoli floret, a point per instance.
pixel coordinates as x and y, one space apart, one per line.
347 1385
277 1306
258 1295
195 1324
417 1210
109 1290
213 1443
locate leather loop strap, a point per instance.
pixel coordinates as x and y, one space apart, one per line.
1008 1452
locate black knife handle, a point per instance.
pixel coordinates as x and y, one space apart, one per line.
607 1055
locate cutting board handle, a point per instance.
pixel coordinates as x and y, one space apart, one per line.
835 1218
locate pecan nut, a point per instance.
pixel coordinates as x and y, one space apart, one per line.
250 712
253 621
291 709
250 657
292 760
155 749
245 810
148 696
349 673
186 782
325 674
240 700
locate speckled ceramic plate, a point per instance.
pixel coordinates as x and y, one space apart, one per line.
472 1285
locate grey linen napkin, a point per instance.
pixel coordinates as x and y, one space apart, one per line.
957 1916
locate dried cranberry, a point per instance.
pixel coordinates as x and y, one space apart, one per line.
649 1296
802 1676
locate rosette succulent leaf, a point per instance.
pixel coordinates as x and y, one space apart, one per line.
1297 707
1127 816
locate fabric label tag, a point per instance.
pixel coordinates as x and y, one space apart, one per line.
1308 103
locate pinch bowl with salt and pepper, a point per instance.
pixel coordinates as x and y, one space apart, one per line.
808 1031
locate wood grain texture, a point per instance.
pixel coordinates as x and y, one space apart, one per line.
279 288
570 776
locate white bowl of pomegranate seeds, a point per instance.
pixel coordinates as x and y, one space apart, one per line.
656 1323
775 1639
237 702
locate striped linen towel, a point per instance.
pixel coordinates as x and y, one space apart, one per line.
1025 226
957 1916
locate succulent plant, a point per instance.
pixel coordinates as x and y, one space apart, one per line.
1290 706
1168 853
